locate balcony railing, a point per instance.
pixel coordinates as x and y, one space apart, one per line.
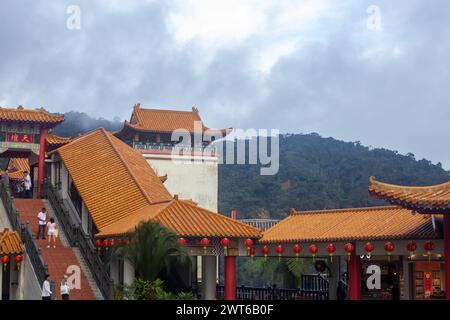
262 224
32 250
173 147
77 237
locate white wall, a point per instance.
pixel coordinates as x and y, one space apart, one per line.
196 181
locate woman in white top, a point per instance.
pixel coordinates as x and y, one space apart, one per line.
51 227
65 290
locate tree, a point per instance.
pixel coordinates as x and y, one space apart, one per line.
152 249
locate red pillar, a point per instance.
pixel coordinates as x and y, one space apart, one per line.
447 254
41 160
354 277
230 278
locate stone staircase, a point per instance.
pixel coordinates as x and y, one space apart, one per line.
62 257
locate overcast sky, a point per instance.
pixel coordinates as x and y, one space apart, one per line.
298 66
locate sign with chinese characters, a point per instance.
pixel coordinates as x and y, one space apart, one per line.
19 137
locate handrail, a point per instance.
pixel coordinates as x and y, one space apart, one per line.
258 293
77 237
33 252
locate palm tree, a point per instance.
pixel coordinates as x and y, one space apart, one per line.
152 248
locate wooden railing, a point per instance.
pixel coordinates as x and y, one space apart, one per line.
77 237
33 252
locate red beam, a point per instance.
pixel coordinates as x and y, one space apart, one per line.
447 254
230 278
354 277
41 161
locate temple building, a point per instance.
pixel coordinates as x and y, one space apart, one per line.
23 134
150 132
423 200
109 188
354 241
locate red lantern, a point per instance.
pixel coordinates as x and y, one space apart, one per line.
279 249
205 243
111 243
5 261
18 259
181 241
265 251
313 249
248 244
411 247
297 249
252 251
349 248
98 244
331 248
369 247
428 246
106 244
389 247
225 242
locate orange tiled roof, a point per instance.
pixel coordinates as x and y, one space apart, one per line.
29 115
17 166
433 199
185 218
158 120
54 140
113 179
373 223
10 243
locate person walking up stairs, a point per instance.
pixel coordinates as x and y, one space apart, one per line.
61 260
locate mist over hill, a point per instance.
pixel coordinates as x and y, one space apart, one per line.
314 173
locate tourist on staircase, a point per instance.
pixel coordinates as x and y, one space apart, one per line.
46 292
42 222
52 233
27 184
5 179
65 290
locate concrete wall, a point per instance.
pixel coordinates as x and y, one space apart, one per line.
196 181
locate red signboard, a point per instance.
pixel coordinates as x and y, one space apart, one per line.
19 137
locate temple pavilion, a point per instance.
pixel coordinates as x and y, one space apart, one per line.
424 201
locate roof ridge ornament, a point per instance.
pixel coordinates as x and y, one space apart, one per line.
137 105
20 107
195 110
292 211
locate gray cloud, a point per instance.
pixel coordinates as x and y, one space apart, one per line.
385 88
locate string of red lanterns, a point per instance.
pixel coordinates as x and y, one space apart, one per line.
313 249
225 243
297 250
279 249
331 248
349 248
369 247
6 259
265 251
428 246
389 247
411 247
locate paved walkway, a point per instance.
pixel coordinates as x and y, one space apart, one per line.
58 259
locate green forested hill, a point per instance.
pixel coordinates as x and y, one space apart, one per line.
319 173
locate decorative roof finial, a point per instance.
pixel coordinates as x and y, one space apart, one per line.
194 109
292 211
20 107
137 105
175 197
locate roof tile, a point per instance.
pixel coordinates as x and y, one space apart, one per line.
373 223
